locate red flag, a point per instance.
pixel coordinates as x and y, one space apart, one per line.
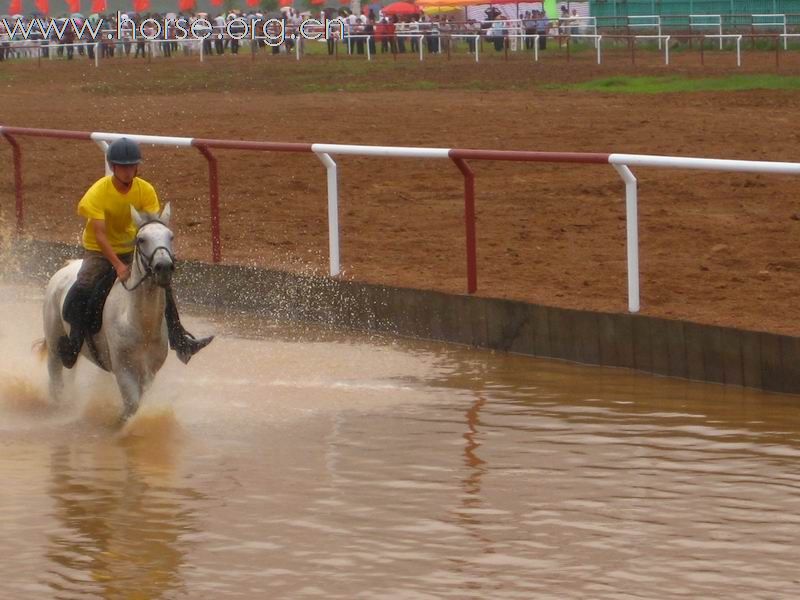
141 5
15 7
252 2
185 5
99 6
74 5
216 2
285 2
43 6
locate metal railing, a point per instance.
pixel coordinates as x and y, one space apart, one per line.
325 153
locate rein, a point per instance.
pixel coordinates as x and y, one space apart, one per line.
145 261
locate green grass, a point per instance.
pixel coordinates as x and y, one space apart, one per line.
677 84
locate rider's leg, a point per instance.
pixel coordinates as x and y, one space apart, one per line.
76 305
180 340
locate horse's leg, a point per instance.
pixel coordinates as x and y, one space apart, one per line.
130 387
55 370
53 330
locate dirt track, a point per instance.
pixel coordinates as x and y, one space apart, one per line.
715 247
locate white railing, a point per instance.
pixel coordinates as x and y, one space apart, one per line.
622 163
647 22
700 21
773 21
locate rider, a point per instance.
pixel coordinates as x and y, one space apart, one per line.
108 242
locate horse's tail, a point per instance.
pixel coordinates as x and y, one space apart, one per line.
40 348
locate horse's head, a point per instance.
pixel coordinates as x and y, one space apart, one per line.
154 244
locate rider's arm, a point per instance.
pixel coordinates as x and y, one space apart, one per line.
99 228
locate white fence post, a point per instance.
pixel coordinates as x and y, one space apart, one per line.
632 226
104 147
739 51
333 212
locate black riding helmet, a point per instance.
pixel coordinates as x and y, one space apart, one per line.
124 151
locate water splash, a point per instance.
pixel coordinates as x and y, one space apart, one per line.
22 396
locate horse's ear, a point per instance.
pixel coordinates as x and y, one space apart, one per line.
138 219
165 214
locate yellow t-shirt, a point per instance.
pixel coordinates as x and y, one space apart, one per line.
103 201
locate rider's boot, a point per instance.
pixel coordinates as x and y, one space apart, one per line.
74 313
180 340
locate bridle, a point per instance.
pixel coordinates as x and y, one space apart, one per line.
146 262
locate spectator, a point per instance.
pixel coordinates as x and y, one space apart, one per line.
529 25
360 25
219 33
5 42
542 25
126 32
237 29
413 29
473 27
497 33
401 40
69 40
391 35
369 29
381 29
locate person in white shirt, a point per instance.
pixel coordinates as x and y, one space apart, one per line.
219 33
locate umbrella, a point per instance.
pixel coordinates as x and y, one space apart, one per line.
400 8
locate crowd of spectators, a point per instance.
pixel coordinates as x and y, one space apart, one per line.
136 34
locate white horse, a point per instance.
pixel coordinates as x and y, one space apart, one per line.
132 343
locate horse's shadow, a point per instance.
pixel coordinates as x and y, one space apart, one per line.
122 518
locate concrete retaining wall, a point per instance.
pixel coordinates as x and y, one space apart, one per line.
665 347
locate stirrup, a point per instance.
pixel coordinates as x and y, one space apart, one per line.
188 346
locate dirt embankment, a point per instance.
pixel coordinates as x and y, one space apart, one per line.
717 248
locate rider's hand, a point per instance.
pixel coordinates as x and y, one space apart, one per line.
123 271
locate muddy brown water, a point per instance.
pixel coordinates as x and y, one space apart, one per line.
289 462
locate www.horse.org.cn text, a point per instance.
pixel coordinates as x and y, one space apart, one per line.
272 31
